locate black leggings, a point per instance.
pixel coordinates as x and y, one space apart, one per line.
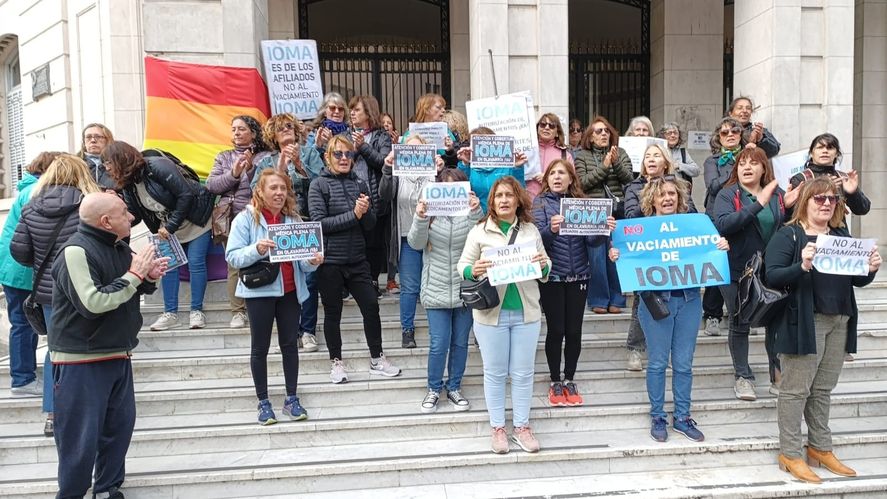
564 307
712 303
262 312
332 279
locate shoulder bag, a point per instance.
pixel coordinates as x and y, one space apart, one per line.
33 310
223 213
757 304
618 203
481 295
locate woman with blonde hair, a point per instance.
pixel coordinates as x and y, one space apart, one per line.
639 126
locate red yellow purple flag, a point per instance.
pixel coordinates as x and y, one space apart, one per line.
189 108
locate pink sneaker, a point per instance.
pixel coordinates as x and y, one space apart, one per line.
500 441
524 437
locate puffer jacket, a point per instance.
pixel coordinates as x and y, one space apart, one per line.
32 243
715 178
12 273
331 200
569 254
183 199
230 189
633 198
371 155
590 168
441 240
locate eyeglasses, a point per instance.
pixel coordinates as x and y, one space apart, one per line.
733 131
671 132
343 154
600 131
575 130
286 126
95 138
546 124
336 109
820 199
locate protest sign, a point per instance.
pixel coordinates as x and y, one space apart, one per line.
669 252
511 115
842 255
635 147
293 74
492 151
414 160
512 263
585 216
446 199
295 241
435 132
170 248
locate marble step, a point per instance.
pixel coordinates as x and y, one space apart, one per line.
236 473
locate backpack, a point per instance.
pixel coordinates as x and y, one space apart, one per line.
184 169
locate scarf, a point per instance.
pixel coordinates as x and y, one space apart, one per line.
336 127
728 156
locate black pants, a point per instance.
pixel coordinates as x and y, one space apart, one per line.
738 338
332 279
262 312
564 307
712 303
377 247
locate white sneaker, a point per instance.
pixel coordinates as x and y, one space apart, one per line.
337 372
712 326
383 367
635 362
32 389
238 320
165 321
309 342
197 319
744 389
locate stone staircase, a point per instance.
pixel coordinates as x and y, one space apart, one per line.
196 434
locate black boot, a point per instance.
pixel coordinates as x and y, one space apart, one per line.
409 338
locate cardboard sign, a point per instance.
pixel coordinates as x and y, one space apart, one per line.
512 263
510 115
435 132
293 75
585 216
842 255
295 241
669 252
492 151
170 248
446 199
635 147
414 160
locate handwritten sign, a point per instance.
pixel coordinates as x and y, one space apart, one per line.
446 199
509 115
669 252
512 263
435 132
635 147
414 160
585 216
492 151
842 255
295 241
293 76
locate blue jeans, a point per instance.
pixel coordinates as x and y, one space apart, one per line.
508 350
48 404
196 251
410 268
448 329
674 335
603 286
308 317
22 339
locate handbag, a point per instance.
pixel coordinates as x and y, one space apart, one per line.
223 213
261 273
756 303
655 305
618 203
33 310
480 294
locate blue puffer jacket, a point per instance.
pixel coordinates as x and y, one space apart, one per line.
569 254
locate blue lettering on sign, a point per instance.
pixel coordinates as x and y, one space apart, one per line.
513 272
842 265
585 216
441 192
496 149
415 159
289 52
296 241
296 107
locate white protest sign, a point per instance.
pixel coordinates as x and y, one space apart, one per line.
786 166
585 216
492 151
635 147
446 199
414 160
295 241
292 71
842 255
512 263
510 115
435 132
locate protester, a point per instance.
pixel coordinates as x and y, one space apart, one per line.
430 108
603 168
552 146
824 154
563 296
341 202
684 164
814 331
741 109
575 135
639 126
157 193
330 121
94 138
482 179
273 202
458 124
402 193
509 332
230 179
94 328
285 135
673 337
441 240
388 125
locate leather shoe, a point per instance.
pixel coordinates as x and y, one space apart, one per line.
599 310
798 468
827 460
614 310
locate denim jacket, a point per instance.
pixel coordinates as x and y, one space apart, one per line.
241 252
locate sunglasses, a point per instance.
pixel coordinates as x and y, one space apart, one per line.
575 130
820 199
343 154
286 126
336 108
600 131
733 131
545 124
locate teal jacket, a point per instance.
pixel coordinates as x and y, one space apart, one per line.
12 273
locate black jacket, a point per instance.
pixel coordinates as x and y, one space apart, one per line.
736 218
32 244
95 307
767 143
633 198
569 254
331 200
858 203
184 199
715 177
794 328
373 153
99 173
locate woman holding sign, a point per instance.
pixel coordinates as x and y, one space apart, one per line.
816 329
506 247
673 334
273 202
